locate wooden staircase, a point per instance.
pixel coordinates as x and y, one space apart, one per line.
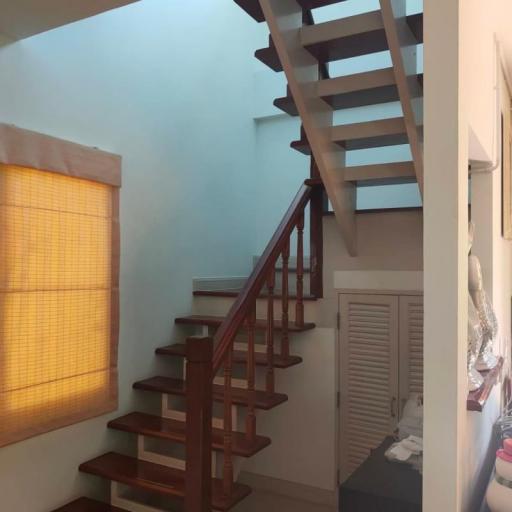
303 50
224 380
209 410
344 44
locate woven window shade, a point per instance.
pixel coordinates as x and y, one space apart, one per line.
58 300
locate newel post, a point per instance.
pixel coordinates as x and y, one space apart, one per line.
198 474
316 245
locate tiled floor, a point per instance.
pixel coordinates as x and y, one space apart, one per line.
263 502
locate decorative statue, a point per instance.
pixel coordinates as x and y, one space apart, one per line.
486 359
475 338
475 333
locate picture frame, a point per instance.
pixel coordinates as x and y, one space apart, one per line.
506 170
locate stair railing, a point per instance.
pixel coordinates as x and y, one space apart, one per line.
242 317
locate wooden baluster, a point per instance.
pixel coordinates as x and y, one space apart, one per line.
198 474
250 422
316 249
270 381
285 336
228 473
299 305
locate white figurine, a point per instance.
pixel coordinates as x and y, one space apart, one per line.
486 359
499 492
475 332
475 337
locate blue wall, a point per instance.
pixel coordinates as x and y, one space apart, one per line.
172 87
168 85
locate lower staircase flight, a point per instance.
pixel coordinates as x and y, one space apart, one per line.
216 392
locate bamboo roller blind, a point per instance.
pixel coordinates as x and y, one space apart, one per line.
58 300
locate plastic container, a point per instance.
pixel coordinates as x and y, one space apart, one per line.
499 492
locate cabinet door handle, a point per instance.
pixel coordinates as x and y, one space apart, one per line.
392 408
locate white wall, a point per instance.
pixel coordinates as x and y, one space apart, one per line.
303 430
460 122
479 68
166 85
445 258
495 254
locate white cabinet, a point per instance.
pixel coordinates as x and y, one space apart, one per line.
411 346
381 350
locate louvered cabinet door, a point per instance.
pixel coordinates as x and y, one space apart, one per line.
369 375
411 347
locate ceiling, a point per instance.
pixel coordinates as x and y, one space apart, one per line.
25 18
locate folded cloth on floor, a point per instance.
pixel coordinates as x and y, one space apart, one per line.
398 452
408 451
413 444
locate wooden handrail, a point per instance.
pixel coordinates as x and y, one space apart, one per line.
238 313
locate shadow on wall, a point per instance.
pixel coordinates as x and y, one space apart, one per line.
477 501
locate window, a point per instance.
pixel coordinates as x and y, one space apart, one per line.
58 300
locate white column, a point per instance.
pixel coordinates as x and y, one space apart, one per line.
445 257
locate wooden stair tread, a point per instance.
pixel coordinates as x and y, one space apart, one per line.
302 145
387 210
345 47
369 129
350 91
356 82
232 293
380 174
88 505
239 356
252 7
373 211
157 478
377 174
172 386
341 28
175 431
216 321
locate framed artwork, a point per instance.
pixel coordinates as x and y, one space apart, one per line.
506 168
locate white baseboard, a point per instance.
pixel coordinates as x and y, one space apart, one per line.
288 489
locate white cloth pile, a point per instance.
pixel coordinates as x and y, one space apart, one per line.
408 451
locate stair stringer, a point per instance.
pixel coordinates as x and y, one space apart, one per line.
284 19
402 46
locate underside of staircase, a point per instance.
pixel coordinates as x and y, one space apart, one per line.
189 455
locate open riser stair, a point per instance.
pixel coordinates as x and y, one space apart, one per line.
187 456
304 50
227 374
